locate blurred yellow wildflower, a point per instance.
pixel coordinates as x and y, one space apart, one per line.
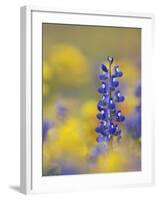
111 162
47 74
67 143
69 63
89 109
131 72
88 112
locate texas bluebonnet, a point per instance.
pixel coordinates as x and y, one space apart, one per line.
109 115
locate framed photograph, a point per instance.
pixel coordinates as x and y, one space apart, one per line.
86 100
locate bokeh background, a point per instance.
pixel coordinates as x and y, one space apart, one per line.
72 55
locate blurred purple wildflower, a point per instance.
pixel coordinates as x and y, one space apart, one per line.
45 127
138 90
133 123
68 168
99 149
61 110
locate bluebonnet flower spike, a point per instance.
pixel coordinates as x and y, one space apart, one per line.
108 114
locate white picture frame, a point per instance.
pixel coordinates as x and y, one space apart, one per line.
31 100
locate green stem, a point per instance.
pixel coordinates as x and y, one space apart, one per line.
110 94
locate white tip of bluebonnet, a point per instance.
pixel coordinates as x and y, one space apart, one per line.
110 59
102 111
103 85
105 123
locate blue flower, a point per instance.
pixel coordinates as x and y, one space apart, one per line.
105 98
103 114
111 104
118 96
103 76
104 88
100 105
103 124
112 128
104 68
105 132
108 115
114 82
101 127
105 73
117 73
119 117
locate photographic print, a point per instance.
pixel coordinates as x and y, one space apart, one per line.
91 99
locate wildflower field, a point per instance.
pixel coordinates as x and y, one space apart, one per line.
91 99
